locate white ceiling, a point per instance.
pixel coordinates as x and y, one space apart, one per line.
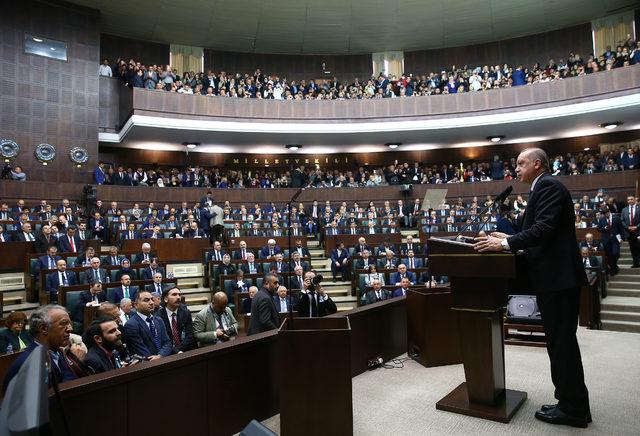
341 26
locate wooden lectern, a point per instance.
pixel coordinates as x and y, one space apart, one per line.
479 283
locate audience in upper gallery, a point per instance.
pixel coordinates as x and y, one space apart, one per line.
625 158
457 79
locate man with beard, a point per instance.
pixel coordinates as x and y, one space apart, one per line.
103 338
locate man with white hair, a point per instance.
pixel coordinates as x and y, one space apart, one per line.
145 256
95 274
270 250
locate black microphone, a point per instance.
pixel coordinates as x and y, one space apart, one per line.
499 199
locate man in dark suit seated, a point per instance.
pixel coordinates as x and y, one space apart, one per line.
103 339
240 284
412 262
364 261
590 243
296 280
251 266
389 261
145 256
97 225
247 302
50 327
242 251
95 274
588 261
177 320
255 230
44 240
410 245
278 264
296 261
69 242
114 259
156 286
396 278
85 258
197 232
47 262
376 294
226 267
130 234
270 250
146 334
125 290
151 270
5 236
282 301
236 232
340 262
59 278
360 247
313 301
93 297
303 251
402 290
218 253
24 235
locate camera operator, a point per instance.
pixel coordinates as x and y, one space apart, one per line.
313 301
18 174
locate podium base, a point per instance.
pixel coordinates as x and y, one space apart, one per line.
457 401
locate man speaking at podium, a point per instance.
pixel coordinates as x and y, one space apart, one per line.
555 273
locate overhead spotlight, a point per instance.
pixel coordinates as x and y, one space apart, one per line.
587 148
37 39
191 145
293 147
612 125
393 145
495 138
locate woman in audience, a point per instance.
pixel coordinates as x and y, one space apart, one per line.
126 269
15 337
579 223
372 275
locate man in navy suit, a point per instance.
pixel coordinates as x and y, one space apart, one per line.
396 278
340 261
146 334
278 264
50 326
412 262
59 278
270 250
402 290
70 243
282 301
151 270
360 247
610 228
48 261
96 274
4 236
98 174
93 297
125 290
304 251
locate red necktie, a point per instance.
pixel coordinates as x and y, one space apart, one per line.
73 244
174 330
632 213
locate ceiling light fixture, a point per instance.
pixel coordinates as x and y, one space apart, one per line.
495 138
393 145
587 148
37 39
191 145
293 147
612 125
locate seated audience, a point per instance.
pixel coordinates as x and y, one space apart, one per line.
246 302
15 337
59 278
340 262
589 261
283 302
402 290
240 284
251 266
125 290
152 270
373 275
103 339
95 274
402 273
216 321
411 261
376 294
270 250
590 243
93 297
125 269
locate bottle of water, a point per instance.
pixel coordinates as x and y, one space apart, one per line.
9 348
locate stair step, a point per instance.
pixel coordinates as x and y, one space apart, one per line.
315 252
196 300
14 299
312 243
610 315
619 284
622 292
344 299
621 326
621 304
337 292
23 307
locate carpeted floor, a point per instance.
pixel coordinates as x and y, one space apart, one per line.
402 401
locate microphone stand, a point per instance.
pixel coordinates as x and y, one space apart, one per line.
289 304
459 237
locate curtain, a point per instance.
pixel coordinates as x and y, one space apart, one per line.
612 30
186 58
389 62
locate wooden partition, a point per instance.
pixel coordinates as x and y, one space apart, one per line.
171 250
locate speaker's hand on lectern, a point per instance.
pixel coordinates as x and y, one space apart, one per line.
487 243
499 235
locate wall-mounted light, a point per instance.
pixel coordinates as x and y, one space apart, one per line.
495 138
191 145
393 145
611 125
293 147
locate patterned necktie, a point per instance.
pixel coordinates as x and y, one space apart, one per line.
154 333
174 330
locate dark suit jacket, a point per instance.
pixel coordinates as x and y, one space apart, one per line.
185 328
118 294
417 248
97 360
65 373
283 266
8 337
148 275
9 238
65 246
370 297
360 263
264 252
357 250
19 236
548 238
139 340
608 232
245 267
237 254
303 306
42 245
86 297
43 263
52 282
625 217
111 262
152 287
91 278
264 315
279 306
395 278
